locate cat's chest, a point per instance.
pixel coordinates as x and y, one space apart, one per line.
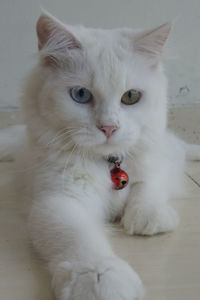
96 174
92 184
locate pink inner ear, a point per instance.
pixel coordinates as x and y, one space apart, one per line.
48 27
152 42
54 41
50 60
43 28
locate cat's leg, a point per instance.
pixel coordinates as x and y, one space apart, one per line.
148 212
161 178
80 259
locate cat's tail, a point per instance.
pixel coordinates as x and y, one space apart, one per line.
10 140
192 152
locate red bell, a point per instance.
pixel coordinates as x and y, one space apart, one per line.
119 178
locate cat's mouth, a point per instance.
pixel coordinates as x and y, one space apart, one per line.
110 146
98 143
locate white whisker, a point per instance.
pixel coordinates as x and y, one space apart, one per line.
57 137
66 164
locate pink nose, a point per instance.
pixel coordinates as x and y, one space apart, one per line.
108 130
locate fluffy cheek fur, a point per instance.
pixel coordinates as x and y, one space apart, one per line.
81 122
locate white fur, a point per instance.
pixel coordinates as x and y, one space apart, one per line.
68 179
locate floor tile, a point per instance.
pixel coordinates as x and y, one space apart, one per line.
193 169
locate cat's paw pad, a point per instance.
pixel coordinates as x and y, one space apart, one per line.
106 280
147 219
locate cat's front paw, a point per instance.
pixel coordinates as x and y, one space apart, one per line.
149 219
106 280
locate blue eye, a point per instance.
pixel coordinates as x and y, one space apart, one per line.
81 94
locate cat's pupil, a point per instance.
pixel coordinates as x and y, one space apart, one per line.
81 92
129 94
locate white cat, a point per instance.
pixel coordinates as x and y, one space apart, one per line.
95 94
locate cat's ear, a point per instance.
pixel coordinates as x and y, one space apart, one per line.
54 40
151 43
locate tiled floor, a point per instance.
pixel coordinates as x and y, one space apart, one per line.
168 264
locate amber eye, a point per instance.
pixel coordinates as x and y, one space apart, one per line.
131 97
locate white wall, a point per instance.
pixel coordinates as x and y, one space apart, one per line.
18 39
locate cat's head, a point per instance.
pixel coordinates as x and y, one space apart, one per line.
106 87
